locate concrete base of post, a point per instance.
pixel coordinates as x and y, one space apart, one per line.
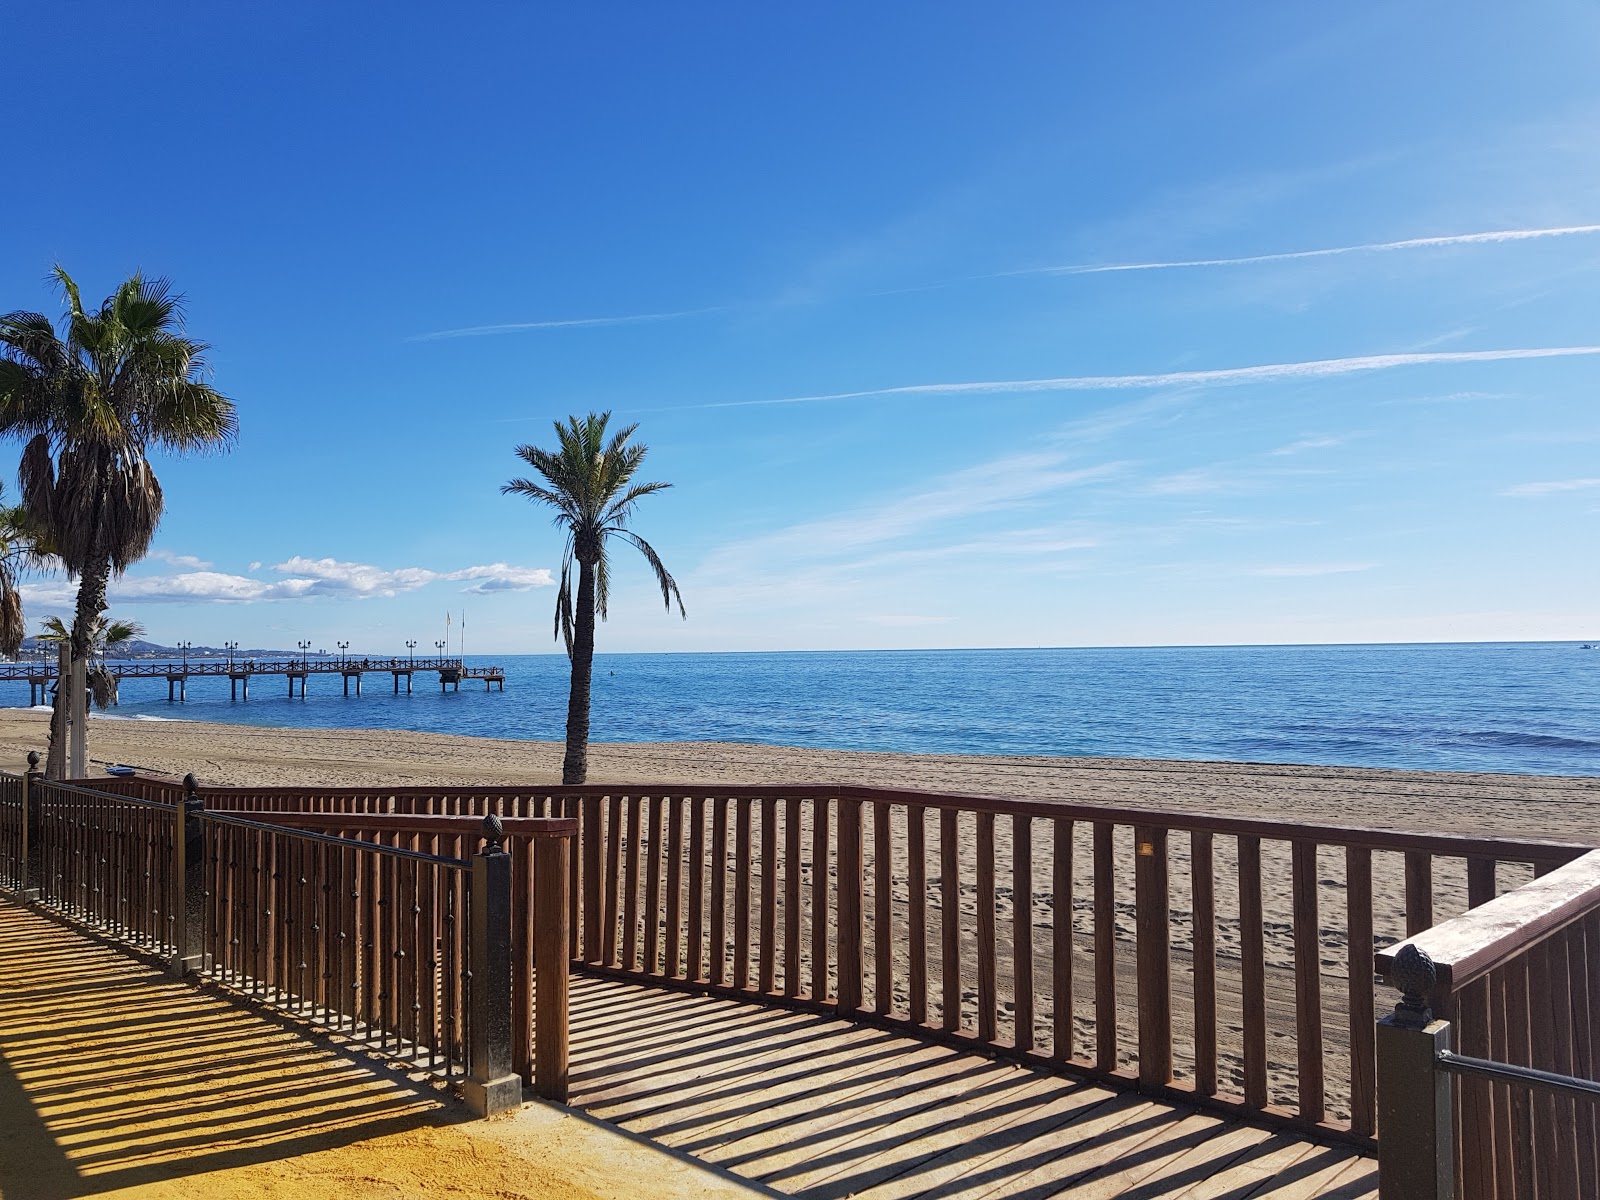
495 1096
30 895
180 965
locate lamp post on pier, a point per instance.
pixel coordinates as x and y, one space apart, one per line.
305 652
183 648
411 646
230 647
441 646
343 646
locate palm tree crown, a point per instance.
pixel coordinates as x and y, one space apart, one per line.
589 481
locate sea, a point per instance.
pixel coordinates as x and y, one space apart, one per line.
1526 707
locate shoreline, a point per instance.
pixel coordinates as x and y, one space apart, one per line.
1552 806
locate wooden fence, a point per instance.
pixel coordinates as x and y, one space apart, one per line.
1222 960
1514 983
13 835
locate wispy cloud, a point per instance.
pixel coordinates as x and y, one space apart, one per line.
179 560
1490 237
1309 443
570 323
1267 373
1551 487
1304 570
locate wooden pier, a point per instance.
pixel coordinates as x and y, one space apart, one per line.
239 672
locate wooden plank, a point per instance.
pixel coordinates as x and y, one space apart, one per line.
1252 969
949 921
1518 1052
743 848
652 889
1307 981
592 836
852 920
630 888
791 897
718 879
1480 880
1202 890
608 935
1022 930
917 910
1419 892
697 888
1153 955
1105 950
1475 1137
1504 1150
1061 918
883 943
1541 1048
988 989
674 915
1586 1016
1558 955
819 898
766 973
1363 1049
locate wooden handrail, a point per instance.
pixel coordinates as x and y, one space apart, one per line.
410 822
1466 948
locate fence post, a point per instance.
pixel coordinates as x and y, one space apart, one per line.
552 912
32 844
1416 1125
491 1085
188 882
852 933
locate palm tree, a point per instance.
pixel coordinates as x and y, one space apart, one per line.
105 637
21 548
589 482
89 406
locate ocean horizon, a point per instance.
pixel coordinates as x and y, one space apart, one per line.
1522 707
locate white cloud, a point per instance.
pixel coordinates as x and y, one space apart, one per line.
1321 368
255 566
1310 443
179 560
1551 487
1305 570
572 323
1459 239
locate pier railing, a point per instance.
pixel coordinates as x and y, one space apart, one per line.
400 940
1225 961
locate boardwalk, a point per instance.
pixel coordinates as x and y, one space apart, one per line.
813 1106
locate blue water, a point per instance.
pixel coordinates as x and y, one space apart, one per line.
1522 707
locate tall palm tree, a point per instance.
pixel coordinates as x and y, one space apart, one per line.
21 548
589 482
89 405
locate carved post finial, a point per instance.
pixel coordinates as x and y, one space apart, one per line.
494 833
33 760
1414 975
191 785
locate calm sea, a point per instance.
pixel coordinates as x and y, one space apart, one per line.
1528 707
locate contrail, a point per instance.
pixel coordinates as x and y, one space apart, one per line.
1459 239
1314 369
575 323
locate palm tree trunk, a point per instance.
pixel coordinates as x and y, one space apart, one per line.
55 759
91 603
575 767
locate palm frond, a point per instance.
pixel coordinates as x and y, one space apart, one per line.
669 586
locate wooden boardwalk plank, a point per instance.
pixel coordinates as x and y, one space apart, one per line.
814 1106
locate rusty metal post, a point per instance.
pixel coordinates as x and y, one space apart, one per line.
188 883
1416 1123
32 847
491 1085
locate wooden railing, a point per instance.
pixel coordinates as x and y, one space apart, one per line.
1224 960
13 835
1514 983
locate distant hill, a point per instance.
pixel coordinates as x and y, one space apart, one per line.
142 649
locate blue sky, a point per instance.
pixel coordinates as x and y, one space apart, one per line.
842 263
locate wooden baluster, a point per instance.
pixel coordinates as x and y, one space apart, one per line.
1252 968
851 917
613 871
1517 1051
882 918
917 911
1363 1051
1565 996
819 898
1022 930
791 897
674 886
719 889
1586 1016
630 888
1105 950
570 808
1480 881
1061 916
1307 980
697 890
1202 886
1475 1138
1548 1130
652 890
1153 949
591 878
742 848
1419 892
766 972
988 989
949 920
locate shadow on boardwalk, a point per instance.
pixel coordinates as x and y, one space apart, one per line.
112 1075
816 1107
